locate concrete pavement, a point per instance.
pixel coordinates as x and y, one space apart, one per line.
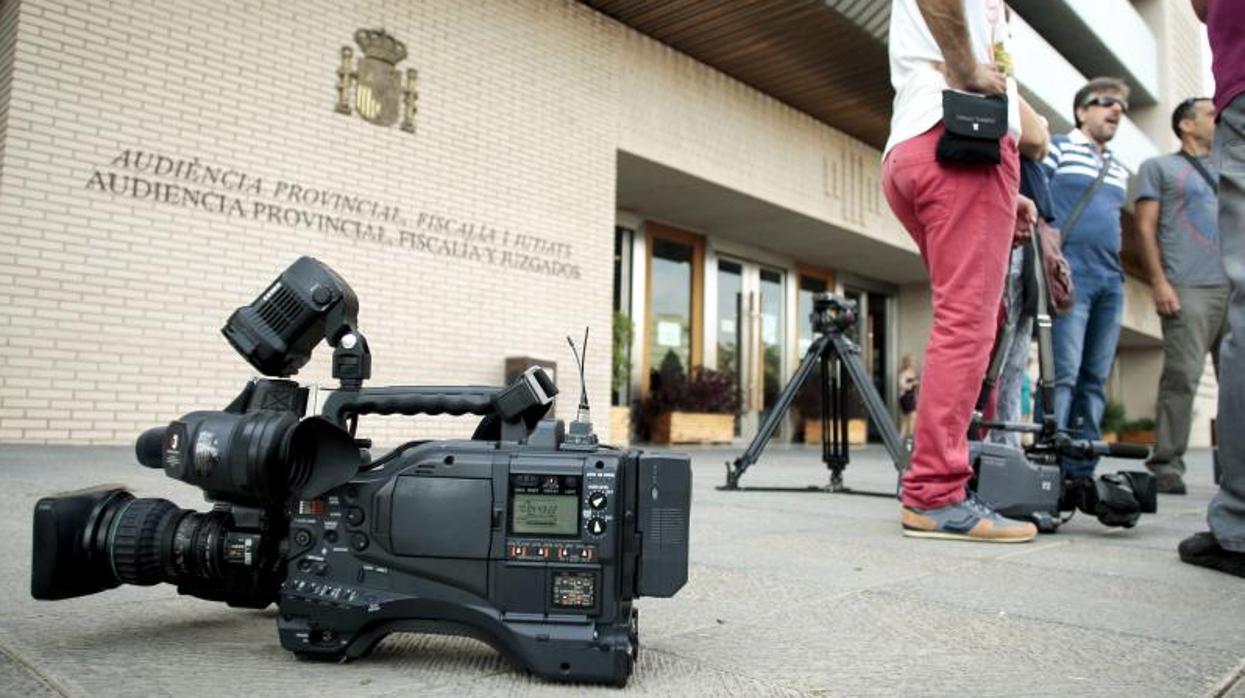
790 594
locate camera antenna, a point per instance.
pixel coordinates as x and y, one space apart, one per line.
583 414
580 435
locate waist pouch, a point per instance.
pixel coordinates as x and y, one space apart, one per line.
974 125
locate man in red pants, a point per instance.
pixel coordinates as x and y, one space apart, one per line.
964 219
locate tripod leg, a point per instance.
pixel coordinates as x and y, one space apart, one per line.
1002 340
834 421
811 359
1046 347
847 353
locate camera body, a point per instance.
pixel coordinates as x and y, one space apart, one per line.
1031 486
832 312
533 542
536 549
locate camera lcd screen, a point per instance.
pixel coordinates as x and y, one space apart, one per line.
545 514
544 504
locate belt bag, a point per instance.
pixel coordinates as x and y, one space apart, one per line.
974 124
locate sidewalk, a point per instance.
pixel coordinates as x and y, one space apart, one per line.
790 594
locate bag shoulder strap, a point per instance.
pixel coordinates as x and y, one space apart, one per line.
1070 222
1201 169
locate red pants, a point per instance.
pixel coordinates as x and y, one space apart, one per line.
962 219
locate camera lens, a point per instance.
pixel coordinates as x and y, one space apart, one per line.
92 540
70 543
134 547
154 541
198 547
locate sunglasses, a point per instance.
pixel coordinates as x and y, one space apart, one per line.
1106 102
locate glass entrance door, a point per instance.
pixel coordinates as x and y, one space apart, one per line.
871 332
751 336
673 315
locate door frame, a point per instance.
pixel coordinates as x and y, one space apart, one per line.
866 286
802 270
659 231
751 357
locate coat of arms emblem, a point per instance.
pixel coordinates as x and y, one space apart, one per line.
374 87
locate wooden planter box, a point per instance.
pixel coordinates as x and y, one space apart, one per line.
857 431
1145 438
694 428
620 426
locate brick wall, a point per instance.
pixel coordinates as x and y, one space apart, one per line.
112 303
8 42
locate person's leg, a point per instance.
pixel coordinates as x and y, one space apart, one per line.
1102 334
1068 338
1008 408
961 218
1185 343
1218 328
1226 514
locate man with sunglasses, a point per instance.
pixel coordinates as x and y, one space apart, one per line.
1177 207
1088 188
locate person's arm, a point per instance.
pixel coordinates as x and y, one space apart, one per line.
945 19
1026 218
1034 133
1147 212
1166 302
1050 163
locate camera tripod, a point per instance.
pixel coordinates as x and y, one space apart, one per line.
837 359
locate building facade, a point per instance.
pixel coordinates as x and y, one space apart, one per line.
490 177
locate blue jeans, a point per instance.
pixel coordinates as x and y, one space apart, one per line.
1085 341
1226 513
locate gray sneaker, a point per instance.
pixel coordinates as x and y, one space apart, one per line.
971 519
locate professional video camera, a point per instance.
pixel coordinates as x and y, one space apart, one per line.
527 537
1029 483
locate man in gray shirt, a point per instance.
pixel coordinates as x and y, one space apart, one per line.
1177 211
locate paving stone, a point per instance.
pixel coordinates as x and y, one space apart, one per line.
789 593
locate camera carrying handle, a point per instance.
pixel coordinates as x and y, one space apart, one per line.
410 400
1063 443
531 392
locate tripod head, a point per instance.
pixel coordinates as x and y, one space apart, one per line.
832 313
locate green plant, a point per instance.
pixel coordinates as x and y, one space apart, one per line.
1143 424
706 390
1112 418
623 330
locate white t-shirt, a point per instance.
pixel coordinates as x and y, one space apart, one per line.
915 56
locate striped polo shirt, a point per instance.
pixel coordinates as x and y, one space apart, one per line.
1073 163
